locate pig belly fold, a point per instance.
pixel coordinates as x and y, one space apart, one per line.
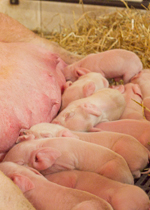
29 89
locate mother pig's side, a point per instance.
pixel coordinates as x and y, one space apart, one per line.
30 89
45 195
83 114
52 155
13 31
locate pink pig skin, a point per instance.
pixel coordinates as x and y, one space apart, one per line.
135 154
143 80
117 63
11 197
30 89
136 128
85 86
19 33
120 196
64 153
45 195
83 114
131 92
44 130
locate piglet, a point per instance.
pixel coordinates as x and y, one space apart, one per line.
121 196
136 128
44 130
57 154
142 79
117 64
135 154
45 195
83 114
133 96
85 86
11 197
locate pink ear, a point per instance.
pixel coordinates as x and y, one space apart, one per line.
46 135
25 138
105 82
120 88
45 157
136 76
66 133
68 83
23 182
91 109
137 90
81 71
88 89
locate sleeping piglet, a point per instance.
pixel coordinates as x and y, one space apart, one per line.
83 114
136 128
133 96
44 130
143 80
56 154
11 197
46 195
135 154
85 86
121 196
117 64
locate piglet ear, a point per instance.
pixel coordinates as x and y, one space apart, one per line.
81 71
120 88
25 137
91 109
88 89
23 182
137 90
45 157
46 135
67 133
136 76
67 84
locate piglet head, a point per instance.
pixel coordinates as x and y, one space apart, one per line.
79 119
25 135
43 158
72 73
16 173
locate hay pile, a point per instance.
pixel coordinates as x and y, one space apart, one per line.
125 29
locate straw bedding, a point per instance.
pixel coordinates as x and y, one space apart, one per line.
125 29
